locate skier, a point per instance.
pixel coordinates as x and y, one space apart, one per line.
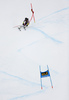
26 21
24 24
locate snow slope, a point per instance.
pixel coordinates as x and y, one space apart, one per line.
45 42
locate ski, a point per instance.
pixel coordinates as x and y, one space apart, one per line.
19 27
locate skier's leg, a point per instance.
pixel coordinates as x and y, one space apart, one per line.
20 27
25 27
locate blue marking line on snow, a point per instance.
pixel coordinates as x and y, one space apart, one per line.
27 95
29 45
19 78
55 72
52 14
46 35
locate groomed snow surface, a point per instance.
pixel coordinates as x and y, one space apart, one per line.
43 43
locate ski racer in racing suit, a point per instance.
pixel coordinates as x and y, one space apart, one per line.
25 22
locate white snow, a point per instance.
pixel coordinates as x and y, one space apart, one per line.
45 42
